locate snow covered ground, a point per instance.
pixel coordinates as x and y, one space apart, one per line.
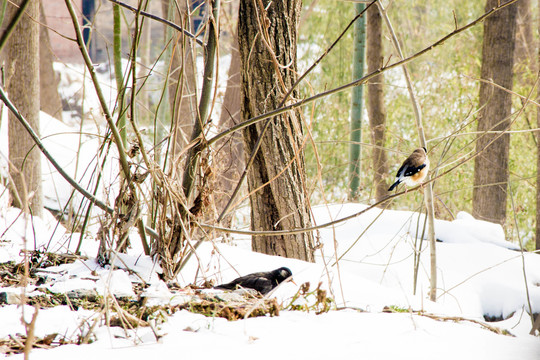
476 277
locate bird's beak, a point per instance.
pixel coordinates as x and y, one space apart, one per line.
291 280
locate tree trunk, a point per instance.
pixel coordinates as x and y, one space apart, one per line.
491 166
525 48
23 90
276 180
538 167
144 71
357 97
375 102
50 100
182 82
230 154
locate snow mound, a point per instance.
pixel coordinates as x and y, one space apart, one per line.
467 229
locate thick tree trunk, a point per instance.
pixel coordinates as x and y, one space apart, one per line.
375 102
182 82
491 166
50 100
230 162
538 167
537 247
23 90
267 35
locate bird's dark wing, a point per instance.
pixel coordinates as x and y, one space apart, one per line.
409 170
259 283
399 172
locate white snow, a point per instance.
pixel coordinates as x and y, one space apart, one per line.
466 229
476 278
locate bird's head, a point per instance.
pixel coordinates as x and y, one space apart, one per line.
282 274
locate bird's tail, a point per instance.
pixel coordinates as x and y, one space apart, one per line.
228 286
394 185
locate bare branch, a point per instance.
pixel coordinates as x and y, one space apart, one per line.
161 20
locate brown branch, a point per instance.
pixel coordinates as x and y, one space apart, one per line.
159 19
30 328
494 329
536 325
194 153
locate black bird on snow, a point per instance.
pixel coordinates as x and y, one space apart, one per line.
263 282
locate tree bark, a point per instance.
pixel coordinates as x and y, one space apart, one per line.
23 90
491 166
538 168
231 151
50 100
182 82
267 34
145 51
525 49
375 102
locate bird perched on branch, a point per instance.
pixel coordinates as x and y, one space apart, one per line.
414 169
263 282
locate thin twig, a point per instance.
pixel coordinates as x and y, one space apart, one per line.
485 325
524 269
117 58
30 328
204 103
161 20
101 97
